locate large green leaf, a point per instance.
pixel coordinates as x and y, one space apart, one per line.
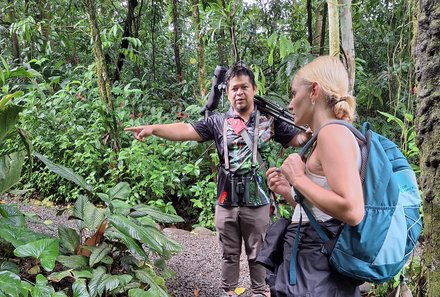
86 273
158 215
9 266
69 239
58 276
42 288
130 228
3 213
90 216
133 245
28 145
74 262
8 119
12 216
65 172
157 283
58 294
21 72
99 253
79 289
10 170
99 275
46 250
109 283
10 284
19 236
120 191
139 293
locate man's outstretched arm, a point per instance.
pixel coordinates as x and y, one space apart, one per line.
174 132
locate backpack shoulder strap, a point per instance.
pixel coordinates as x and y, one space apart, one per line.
299 197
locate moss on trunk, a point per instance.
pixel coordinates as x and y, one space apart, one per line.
428 135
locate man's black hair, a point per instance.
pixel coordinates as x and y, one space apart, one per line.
239 69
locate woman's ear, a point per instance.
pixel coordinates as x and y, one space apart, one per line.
314 90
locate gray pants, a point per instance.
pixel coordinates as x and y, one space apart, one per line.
236 225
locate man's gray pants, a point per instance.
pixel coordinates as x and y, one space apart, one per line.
236 225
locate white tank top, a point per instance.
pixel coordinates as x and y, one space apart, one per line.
321 181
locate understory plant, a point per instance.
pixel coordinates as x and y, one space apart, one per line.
117 248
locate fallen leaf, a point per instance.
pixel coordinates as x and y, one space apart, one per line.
196 292
47 222
34 270
239 291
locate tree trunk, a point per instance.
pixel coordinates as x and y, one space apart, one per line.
221 49
128 32
427 55
333 27
102 75
44 10
200 50
309 23
316 41
176 31
348 41
153 39
234 50
10 18
324 22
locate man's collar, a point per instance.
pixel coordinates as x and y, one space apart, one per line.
231 114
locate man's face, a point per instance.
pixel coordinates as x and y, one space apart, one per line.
241 93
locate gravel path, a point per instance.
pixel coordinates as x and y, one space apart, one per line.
197 267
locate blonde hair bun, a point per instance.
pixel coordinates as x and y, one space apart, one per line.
331 75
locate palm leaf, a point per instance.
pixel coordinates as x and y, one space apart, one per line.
69 239
99 253
65 172
158 215
90 216
133 245
167 244
130 228
120 191
148 276
99 274
8 119
10 170
74 261
79 288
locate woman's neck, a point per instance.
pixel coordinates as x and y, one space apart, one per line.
321 118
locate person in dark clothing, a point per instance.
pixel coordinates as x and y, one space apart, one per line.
242 210
329 180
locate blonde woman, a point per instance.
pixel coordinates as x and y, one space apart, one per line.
329 179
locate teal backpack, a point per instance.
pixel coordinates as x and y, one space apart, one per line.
378 248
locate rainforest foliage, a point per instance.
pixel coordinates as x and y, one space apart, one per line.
74 73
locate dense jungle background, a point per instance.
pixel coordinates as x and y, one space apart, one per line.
74 73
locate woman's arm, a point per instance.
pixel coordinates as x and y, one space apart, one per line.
336 152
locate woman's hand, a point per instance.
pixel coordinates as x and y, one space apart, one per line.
293 168
278 183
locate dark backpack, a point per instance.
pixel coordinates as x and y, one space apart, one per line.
377 248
